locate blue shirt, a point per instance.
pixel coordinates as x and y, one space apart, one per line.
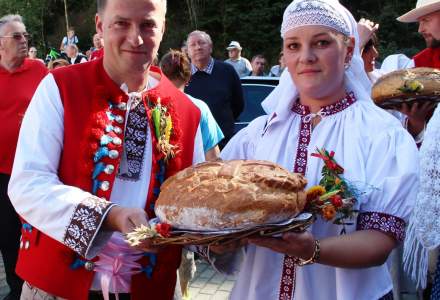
211 132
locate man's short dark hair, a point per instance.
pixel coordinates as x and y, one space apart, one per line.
261 56
102 3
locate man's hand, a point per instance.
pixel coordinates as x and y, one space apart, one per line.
125 220
366 28
417 114
301 245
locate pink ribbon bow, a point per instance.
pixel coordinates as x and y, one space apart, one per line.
117 264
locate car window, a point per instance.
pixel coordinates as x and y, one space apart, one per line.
254 94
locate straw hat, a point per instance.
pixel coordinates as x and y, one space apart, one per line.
423 8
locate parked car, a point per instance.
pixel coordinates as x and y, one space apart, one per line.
255 90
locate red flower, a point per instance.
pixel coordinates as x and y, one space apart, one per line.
336 201
163 229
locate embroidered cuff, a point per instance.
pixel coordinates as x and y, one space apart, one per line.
385 223
85 223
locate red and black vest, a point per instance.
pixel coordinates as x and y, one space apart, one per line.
46 263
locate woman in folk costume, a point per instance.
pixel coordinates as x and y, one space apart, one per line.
424 228
323 102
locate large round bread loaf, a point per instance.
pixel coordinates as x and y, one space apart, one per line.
229 195
406 85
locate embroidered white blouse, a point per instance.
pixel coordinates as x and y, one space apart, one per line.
378 156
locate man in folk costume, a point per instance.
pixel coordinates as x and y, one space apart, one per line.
96 143
323 101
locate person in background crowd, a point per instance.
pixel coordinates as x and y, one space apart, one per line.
184 48
98 47
427 14
214 82
423 239
70 39
413 116
57 63
369 54
32 54
241 65
88 165
277 70
19 77
176 66
74 56
323 101
258 63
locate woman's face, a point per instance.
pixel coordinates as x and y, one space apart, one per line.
315 56
369 57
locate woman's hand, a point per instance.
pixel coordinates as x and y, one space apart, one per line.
359 249
301 245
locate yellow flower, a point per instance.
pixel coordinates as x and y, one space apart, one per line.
315 192
168 127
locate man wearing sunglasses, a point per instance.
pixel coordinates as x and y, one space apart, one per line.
19 78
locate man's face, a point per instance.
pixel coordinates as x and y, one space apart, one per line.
32 52
233 53
132 32
429 28
71 51
97 41
258 65
13 44
199 49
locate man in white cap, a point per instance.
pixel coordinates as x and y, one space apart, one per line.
240 64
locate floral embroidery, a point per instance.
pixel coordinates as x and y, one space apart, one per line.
135 140
287 287
85 220
385 223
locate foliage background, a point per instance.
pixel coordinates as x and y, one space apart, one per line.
254 24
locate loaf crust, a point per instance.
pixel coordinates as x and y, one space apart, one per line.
407 84
230 195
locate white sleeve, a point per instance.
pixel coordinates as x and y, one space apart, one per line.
392 171
396 62
35 190
199 154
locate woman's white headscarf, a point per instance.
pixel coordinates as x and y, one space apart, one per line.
332 14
